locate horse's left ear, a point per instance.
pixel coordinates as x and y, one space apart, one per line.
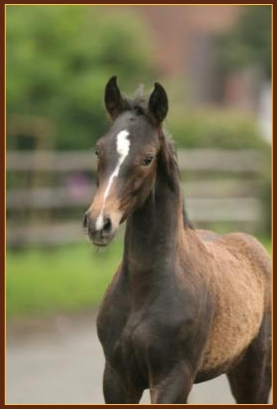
158 103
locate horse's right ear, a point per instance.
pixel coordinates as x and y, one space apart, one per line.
114 102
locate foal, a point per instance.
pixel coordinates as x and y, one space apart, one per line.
185 305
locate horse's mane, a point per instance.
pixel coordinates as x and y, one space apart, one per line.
175 170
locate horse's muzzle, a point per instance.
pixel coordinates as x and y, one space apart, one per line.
100 236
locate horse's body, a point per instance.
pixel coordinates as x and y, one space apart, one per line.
185 305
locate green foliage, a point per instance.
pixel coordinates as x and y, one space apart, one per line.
223 129
249 42
214 128
59 59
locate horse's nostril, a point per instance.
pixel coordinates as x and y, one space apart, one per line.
85 220
107 225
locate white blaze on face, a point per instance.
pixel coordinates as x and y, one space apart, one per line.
122 147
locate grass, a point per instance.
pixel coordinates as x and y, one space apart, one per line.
71 278
63 279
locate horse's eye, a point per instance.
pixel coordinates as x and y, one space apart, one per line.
147 160
96 151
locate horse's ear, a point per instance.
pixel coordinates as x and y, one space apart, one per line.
114 102
158 103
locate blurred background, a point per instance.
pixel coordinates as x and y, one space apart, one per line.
214 62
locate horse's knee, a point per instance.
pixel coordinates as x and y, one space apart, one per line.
111 386
174 389
115 391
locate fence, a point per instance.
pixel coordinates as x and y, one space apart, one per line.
46 188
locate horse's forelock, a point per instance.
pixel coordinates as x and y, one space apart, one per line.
138 103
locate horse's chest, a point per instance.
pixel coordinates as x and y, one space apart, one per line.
152 340
148 346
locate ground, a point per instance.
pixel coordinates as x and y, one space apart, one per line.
59 360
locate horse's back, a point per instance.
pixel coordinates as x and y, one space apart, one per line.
239 245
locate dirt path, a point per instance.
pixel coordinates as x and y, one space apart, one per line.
60 360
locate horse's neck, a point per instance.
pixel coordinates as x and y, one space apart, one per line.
153 231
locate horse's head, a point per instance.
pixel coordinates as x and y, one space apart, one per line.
127 160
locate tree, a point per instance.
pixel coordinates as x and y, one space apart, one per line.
249 42
59 58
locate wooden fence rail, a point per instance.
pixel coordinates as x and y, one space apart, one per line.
219 186
200 160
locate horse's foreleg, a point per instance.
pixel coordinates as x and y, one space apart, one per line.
115 391
174 388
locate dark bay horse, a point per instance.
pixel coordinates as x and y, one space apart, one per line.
185 305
